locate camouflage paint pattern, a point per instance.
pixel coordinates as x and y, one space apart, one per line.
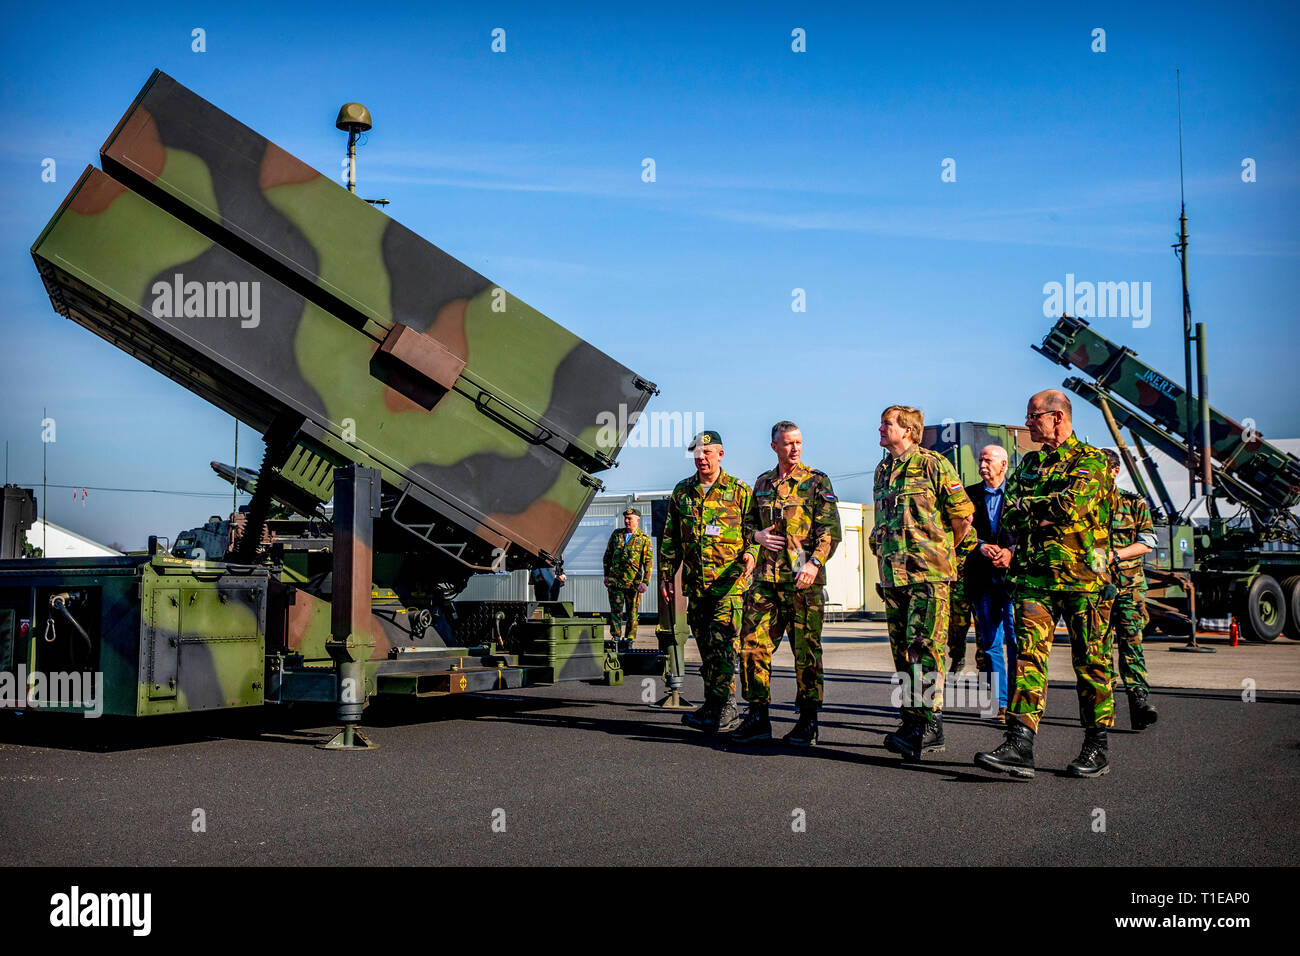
801 507
385 348
770 612
1058 502
168 635
916 616
961 443
1036 613
705 534
1270 472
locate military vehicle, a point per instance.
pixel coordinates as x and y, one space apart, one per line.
453 426
1245 565
1232 565
961 443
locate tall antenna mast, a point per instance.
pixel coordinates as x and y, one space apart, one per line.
1180 250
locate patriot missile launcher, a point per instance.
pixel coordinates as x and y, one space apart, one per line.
456 429
1245 564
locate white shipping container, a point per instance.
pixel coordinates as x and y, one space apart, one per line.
851 574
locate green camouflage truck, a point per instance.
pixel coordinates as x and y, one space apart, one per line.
456 428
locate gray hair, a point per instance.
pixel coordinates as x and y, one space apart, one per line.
780 428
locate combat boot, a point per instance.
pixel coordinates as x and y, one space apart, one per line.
1015 755
728 717
932 740
705 714
804 733
755 728
1091 761
1141 714
906 740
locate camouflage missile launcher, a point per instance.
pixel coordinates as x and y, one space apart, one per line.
456 429
1247 565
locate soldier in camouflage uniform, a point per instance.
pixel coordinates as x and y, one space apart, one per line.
628 560
704 534
921 510
794 522
1131 536
1058 502
960 613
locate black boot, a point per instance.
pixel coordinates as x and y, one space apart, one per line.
906 740
1091 761
1015 755
804 733
706 714
932 740
755 728
1141 714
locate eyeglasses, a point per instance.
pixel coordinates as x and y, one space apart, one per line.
1030 417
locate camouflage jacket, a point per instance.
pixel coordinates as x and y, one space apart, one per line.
802 508
963 551
1070 488
628 565
705 534
917 498
1130 518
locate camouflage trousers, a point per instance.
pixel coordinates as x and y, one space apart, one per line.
960 617
624 607
1036 615
770 611
917 618
1127 617
715 624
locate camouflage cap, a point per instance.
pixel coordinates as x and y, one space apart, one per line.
709 437
632 511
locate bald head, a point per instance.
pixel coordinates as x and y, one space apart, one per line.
1053 400
1049 418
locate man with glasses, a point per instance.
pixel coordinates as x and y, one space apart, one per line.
1058 502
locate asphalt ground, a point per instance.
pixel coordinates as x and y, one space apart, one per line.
583 774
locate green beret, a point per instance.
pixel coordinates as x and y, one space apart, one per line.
705 438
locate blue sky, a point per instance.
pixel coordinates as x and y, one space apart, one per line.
775 170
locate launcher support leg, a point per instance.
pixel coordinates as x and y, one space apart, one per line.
356 503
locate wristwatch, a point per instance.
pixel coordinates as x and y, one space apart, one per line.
817 561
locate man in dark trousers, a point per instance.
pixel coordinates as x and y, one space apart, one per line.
547 581
986 576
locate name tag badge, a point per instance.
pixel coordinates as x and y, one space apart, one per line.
713 530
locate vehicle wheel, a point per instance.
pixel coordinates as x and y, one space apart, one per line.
1291 588
1261 609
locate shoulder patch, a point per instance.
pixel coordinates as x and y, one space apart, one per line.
1081 473
955 487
